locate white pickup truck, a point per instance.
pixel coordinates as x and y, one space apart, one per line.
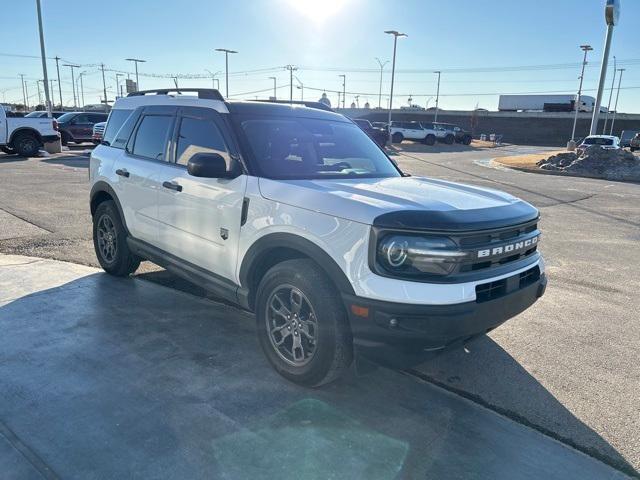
25 136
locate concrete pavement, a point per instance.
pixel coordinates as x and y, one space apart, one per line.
103 377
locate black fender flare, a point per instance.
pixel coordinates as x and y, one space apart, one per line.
103 187
21 130
261 249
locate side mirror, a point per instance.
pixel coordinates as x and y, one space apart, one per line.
209 165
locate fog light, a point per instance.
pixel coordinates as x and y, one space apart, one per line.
393 323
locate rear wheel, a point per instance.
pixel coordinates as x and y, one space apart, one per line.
110 241
449 139
467 140
302 324
429 139
26 145
64 138
397 137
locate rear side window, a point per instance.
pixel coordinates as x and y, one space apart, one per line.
152 136
114 123
198 136
96 118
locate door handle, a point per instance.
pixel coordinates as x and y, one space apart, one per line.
172 186
122 172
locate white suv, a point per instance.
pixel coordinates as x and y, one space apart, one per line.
292 212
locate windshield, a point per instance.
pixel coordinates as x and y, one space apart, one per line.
598 141
301 148
66 117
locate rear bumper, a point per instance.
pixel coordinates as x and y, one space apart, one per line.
50 138
438 326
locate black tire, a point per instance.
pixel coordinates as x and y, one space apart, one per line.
633 149
467 140
65 138
8 150
449 139
121 262
330 354
26 144
397 137
429 139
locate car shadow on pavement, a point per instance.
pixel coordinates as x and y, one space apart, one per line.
487 374
417 147
75 161
103 377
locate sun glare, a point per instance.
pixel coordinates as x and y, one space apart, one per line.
317 10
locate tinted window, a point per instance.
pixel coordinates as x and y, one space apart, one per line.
362 123
152 135
115 121
82 118
598 141
303 148
66 117
97 117
198 136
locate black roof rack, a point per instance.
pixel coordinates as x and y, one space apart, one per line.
318 105
204 93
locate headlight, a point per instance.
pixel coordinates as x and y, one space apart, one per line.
409 255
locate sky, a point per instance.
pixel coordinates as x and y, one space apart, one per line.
483 48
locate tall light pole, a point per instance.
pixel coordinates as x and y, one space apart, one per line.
104 87
226 66
274 87
47 98
53 100
57 58
118 91
291 69
572 143
81 95
395 34
615 108
24 93
344 90
435 118
73 82
382 64
136 61
612 15
613 84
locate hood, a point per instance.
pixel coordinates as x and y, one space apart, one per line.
403 202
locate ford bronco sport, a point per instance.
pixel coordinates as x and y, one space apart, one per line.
294 213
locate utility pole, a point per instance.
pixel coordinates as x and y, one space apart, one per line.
44 61
118 91
435 118
291 69
344 90
226 66
39 92
395 34
82 74
73 82
274 87
615 108
613 84
382 64
612 16
104 86
59 84
53 101
24 93
572 143
136 61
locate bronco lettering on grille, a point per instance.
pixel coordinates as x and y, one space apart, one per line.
512 247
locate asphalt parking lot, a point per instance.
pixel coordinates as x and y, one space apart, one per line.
567 367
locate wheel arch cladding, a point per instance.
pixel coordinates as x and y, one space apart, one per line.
25 130
277 247
101 192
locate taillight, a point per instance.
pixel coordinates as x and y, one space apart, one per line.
55 125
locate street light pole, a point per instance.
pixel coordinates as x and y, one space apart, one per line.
118 75
73 82
382 64
586 49
613 84
47 98
612 15
395 34
24 94
226 65
435 118
615 108
344 90
104 86
136 61
59 84
274 87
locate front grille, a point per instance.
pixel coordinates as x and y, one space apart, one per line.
99 130
530 276
493 290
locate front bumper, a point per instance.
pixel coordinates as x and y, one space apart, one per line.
409 326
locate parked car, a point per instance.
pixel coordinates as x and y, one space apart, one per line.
626 136
77 127
634 144
98 132
460 135
294 213
43 114
378 135
25 136
607 142
415 131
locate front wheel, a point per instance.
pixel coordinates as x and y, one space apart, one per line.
429 139
449 139
110 241
302 324
397 137
467 140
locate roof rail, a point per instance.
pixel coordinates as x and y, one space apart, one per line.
317 105
204 93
